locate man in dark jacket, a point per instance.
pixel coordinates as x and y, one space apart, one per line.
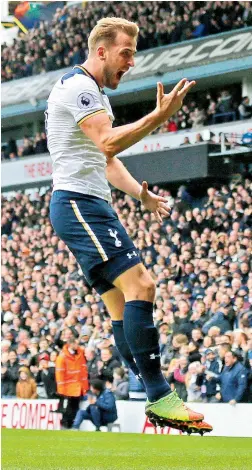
107 365
220 319
92 360
46 375
101 409
10 376
233 380
213 368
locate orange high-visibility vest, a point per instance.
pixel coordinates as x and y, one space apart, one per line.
71 373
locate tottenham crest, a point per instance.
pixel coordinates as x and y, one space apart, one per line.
114 234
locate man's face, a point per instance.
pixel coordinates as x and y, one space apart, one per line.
164 329
244 268
73 346
44 364
239 301
105 355
203 278
188 268
183 362
43 345
12 356
89 354
210 356
196 335
118 58
229 359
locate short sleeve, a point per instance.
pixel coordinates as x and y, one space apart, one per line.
82 98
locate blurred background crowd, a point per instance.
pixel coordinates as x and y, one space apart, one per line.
201 109
63 41
200 259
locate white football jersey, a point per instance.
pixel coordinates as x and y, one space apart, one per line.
78 165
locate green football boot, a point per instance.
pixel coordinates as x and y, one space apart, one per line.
171 409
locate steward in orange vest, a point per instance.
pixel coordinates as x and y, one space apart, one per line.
71 371
72 380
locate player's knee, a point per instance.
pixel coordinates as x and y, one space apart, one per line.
145 290
151 289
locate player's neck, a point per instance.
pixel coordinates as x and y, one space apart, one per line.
94 69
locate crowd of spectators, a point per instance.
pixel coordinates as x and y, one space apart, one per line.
63 41
205 109
200 259
30 146
214 106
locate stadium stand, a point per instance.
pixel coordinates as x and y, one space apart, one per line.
199 110
200 259
63 42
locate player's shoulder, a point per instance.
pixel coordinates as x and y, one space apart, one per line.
77 82
71 86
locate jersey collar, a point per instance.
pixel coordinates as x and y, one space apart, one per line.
88 74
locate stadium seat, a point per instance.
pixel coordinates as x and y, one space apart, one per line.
115 425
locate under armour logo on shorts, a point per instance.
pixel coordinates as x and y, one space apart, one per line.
153 356
113 234
130 255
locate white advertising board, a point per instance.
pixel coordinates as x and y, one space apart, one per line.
30 414
26 171
227 420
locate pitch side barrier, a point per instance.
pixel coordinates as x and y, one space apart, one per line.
227 420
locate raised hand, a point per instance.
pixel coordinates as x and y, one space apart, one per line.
169 104
153 203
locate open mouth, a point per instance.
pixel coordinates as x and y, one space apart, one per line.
120 74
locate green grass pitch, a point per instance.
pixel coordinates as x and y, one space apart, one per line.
68 450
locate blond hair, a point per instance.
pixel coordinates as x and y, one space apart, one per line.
107 28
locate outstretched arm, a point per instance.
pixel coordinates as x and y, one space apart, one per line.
112 141
121 179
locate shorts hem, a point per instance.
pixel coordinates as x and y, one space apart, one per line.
121 269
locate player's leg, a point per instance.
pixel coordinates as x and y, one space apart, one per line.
85 236
93 242
139 291
115 303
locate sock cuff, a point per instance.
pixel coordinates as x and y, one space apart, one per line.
117 322
143 304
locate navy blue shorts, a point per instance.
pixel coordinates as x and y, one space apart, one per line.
92 231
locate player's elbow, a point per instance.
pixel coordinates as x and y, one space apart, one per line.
109 153
109 149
